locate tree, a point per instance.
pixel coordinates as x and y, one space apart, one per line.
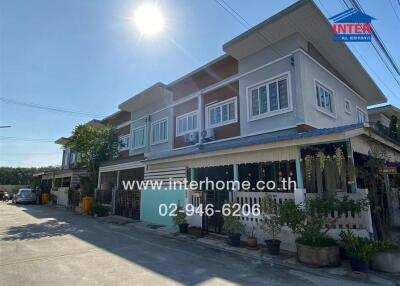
95 145
21 176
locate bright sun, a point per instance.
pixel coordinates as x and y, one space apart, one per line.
149 19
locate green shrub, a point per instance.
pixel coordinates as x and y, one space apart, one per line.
232 225
179 216
309 219
99 209
362 248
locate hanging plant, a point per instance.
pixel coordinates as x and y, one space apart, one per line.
339 159
308 162
322 158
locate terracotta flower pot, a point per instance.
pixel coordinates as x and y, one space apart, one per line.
252 242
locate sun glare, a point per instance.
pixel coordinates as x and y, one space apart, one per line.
149 19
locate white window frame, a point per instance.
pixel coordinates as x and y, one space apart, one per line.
347 101
322 109
359 109
120 138
133 137
250 116
186 115
166 131
220 103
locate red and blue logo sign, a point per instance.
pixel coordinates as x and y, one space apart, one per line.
352 26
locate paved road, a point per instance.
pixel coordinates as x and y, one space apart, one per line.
46 246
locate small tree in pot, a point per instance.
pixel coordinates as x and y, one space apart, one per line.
271 224
233 227
179 219
251 238
308 221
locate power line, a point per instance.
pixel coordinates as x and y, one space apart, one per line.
359 54
49 108
11 138
374 34
378 39
395 11
235 14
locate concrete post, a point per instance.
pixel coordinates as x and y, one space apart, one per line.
117 184
299 192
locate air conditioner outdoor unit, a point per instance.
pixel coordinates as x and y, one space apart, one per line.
191 137
208 134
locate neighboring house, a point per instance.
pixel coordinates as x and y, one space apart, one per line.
68 178
383 114
282 92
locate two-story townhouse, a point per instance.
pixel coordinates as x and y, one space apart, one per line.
284 93
68 177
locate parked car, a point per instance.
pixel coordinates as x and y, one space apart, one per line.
24 196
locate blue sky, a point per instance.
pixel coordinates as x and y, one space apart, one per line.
86 55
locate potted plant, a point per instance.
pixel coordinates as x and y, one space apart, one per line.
233 227
251 238
358 250
271 223
179 219
99 210
310 222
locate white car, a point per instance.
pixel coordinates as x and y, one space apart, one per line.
24 196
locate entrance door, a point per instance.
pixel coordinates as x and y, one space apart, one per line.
217 198
127 203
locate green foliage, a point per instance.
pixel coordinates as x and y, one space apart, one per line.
310 219
179 215
21 176
232 225
95 145
292 215
88 184
271 220
357 247
99 209
53 198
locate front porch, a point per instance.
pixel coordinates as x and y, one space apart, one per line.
321 161
112 192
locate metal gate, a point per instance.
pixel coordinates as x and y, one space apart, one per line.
217 198
127 203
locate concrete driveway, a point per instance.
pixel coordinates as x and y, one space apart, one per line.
46 246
